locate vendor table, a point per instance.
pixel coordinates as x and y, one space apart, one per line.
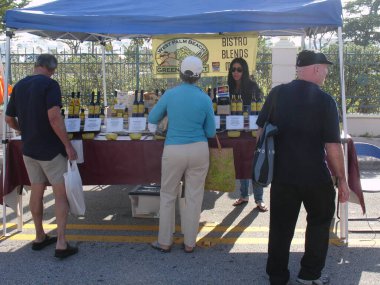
125 161
139 162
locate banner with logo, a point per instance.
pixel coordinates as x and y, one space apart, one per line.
216 52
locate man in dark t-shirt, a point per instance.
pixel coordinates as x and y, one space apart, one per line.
307 119
34 110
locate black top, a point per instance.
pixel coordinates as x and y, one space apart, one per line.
246 92
307 118
30 101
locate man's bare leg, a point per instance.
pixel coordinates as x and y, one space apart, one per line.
36 206
61 212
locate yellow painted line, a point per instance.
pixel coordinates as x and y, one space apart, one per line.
202 241
204 228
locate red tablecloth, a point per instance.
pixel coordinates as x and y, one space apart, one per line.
125 162
139 162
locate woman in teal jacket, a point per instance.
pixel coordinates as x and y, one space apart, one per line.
186 154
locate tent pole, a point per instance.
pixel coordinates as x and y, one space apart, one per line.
9 34
343 207
104 73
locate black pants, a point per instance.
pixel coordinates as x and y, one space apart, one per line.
285 204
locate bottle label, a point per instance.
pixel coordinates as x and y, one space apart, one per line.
91 110
141 109
71 110
233 107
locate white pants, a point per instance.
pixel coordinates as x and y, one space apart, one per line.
190 161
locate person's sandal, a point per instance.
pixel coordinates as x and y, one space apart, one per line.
158 247
187 249
41 245
239 202
262 207
68 251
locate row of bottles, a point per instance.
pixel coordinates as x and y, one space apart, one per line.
236 103
95 110
74 105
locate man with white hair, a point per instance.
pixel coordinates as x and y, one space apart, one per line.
308 123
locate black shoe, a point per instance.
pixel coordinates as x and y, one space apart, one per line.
41 245
323 280
63 253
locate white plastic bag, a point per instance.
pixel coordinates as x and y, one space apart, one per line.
78 146
74 189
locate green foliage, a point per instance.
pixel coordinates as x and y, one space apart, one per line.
362 77
362 26
6 5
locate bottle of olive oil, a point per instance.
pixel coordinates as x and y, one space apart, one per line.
239 105
71 106
113 103
135 106
77 105
141 108
91 106
82 116
253 105
102 116
233 104
125 118
214 101
97 106
259 105
209 92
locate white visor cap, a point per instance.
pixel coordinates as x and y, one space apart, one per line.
192 64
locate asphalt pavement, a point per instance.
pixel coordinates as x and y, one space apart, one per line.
232 244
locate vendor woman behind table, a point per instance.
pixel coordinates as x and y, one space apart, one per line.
186 154
240 84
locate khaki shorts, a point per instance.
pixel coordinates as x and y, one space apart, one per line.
51 171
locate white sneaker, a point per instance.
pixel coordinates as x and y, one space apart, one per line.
323 280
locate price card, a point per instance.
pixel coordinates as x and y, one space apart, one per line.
114 125
119 106
72 125
234 122
217 122
136 124
92 124
252 122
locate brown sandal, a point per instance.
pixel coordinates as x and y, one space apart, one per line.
239 202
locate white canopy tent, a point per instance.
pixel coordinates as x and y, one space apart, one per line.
94 20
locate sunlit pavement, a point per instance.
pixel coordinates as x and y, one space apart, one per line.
232 245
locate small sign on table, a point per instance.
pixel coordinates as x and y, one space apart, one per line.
92 124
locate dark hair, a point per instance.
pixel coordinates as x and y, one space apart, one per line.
46 60
188 79
245 81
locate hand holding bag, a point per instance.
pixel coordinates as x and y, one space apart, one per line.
74 189
221 173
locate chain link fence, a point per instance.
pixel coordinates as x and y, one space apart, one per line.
83 72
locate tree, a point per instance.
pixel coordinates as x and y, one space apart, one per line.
362 26
8 4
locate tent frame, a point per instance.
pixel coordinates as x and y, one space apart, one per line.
252 20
